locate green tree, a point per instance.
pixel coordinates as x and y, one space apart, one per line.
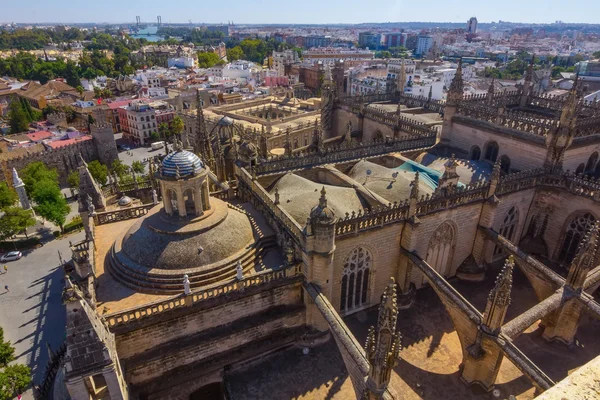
17 118
383 54
164 131
99 172
7 352
80 89
73 179
13 380
207 59
119 168
138 167
176 126
50 202
37 172
235 53
8 197
596 54
72 74
15 220
154 137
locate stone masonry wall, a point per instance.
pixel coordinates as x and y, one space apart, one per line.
384 245
180 357
140 340
465 137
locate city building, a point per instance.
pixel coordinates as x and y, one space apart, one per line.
140 119
369 40
328 55
472 26
424 45
283 58
395 39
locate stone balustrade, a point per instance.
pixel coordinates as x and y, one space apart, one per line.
106 217
346 152
269 206
209 292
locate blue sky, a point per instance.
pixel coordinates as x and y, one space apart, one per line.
300 11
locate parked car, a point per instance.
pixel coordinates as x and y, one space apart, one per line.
12 256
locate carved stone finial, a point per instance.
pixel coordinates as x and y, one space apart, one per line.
414 191
383 344
499 298
323 199
276 196
585 258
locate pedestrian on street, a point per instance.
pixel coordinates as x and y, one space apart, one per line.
5 268
6 288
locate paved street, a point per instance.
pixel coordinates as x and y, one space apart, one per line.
136 153
32 313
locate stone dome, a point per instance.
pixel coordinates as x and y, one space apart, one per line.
186 162
225 121
125 201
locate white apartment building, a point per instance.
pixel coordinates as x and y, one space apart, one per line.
394 68
141 119
424 44
368 85
283 58
181 62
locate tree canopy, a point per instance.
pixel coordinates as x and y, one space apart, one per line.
36 172
17 118
15 220
98 171
50 202
8 197
13 378
208 59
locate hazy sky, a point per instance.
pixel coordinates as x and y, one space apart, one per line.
300 11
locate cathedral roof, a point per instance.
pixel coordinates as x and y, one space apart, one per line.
182 163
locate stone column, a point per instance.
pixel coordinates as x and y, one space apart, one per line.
115 386
77 388
198 201
205 195
181 203
166 200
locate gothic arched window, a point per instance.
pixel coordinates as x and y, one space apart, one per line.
491 152
439 253
505 164
580 168
575 232
508 227
355 279
475 153
589 167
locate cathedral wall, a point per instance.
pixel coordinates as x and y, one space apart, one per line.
522 200
371 130
180 357
563 208
384 245
464 221
340 122
168 330
523 154
578 155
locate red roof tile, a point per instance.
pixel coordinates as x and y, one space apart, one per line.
40 135
61 143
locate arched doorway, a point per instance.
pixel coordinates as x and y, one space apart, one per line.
575 231
580 168
439 252
190 205
172 196
505 164
591 164
355 280
475 153
212 391
508 227
491 152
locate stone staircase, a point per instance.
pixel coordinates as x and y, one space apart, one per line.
169 282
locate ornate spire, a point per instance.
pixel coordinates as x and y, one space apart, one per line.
499 299
490 93
430 93
414 191
202 145
17 181
401 78
383 344
585 258
323 199
455 92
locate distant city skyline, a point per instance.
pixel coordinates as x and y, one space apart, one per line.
279 12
